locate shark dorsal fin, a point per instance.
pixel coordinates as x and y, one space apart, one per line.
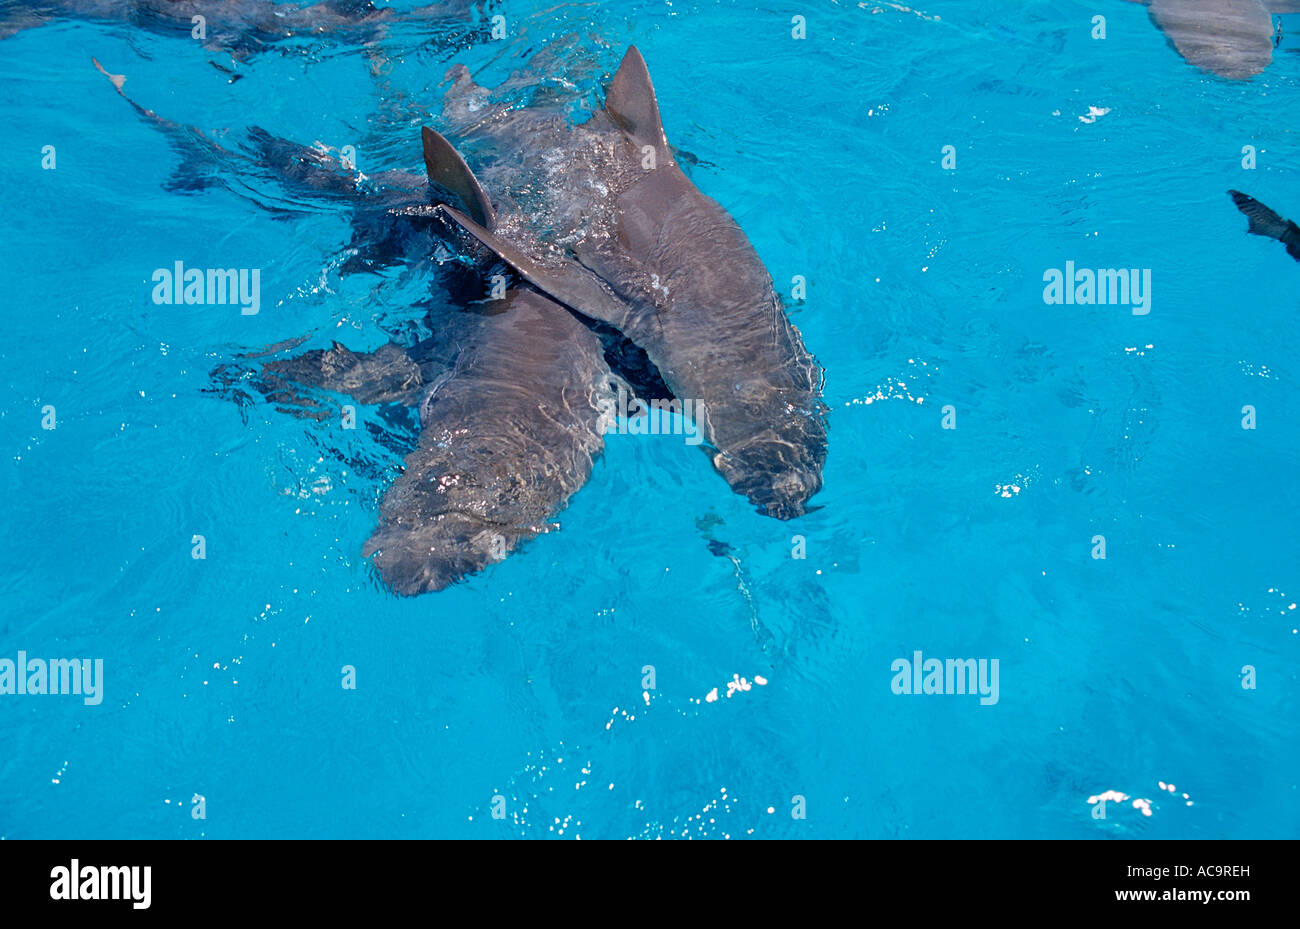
448 170
630 101
570 284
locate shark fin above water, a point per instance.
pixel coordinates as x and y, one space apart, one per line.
631 103
448 170
565 282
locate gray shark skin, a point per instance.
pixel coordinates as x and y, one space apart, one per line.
506 438
510 400
606 223
1230 38
241 27
1265 222
511 394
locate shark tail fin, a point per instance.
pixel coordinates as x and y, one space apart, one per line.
630 101
1263 221
117 80
448 170
1266 222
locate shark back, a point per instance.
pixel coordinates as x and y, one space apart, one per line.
1230 38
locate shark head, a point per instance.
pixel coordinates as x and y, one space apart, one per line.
776 473
509 431
433 555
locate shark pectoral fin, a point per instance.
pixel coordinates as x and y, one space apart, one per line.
631 103
569 284
448 170
1282 6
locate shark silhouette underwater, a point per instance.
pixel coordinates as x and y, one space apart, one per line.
1263 221
622 262
240 27
1230 38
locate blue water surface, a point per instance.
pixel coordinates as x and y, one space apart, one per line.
223 676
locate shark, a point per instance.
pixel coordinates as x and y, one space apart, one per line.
513 392
600 217
1263 221
240 27
1230 38
664 296
512 396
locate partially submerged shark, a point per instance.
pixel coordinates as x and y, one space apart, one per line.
1265 222
241 27
623 260
606 223
514 395
511 397
1230 38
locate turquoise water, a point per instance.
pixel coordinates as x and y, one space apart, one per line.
222 676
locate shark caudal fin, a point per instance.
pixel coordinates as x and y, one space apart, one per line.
117 80
1265 222
631 103
448 170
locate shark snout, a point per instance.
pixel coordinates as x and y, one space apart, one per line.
789 493
778 466
452 547
777 477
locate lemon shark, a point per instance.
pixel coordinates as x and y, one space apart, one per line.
600 218
512 396
1230 38
514 393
